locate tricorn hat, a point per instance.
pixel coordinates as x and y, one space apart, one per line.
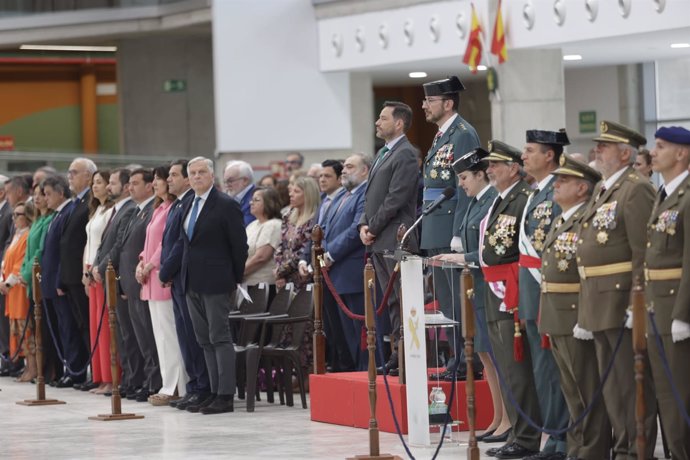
450 85
548 137
471 161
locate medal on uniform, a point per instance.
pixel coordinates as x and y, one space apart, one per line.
492 240
445 174
433 174
500 250
563 265
602 237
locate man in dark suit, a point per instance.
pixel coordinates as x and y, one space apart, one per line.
74 350
72 243
198 387
5 230
215 251
499 235
141 190
390 200
131 359
239 184
613 241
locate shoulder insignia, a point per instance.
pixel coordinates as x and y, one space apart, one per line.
633 176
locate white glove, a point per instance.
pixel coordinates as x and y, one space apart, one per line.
582 334
680 330
456 244
629 319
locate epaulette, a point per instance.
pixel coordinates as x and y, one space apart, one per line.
633 176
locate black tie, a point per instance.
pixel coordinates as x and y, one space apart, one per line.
662 194
497 203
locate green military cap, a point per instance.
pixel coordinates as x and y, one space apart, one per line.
500 151
571 167
615 132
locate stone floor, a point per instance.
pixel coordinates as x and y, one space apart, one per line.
273 431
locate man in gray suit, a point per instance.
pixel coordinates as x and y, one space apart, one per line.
131 358
390 200
141 189
5 230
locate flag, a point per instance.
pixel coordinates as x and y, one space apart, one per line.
498 42
473 53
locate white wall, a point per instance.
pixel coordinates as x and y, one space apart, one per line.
594 88
271 96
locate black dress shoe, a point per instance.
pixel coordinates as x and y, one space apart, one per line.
67 382
503 437
194 400
486 434
183 400
87 386
220 405
547 456
440 375
143 395
194 408
494 450
4 372
132 395
514 450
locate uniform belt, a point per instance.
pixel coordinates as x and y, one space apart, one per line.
604 270
561 288
662 274
430 194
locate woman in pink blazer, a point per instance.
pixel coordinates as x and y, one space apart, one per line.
159 297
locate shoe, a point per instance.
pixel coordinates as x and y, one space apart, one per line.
17 371
440 375
494 450
88 386
143 395
4 372
194 408
497 437
67 382
514 450
218 406
160 399
194 400
182 400
486 434
132 395
547 456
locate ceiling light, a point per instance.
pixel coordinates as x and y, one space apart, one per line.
108 49
680 45
417 74
572 57
481 67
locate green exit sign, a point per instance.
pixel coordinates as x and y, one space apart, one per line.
174 86
588 121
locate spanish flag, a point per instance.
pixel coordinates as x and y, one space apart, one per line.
498 42
473 53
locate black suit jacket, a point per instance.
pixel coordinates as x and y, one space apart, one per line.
5 227
172 246
111 242
213 261
132 244
73 241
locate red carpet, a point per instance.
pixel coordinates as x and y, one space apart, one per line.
343 399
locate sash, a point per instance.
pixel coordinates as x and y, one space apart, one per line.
505 276
526 248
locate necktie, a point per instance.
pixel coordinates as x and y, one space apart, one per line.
324 209
601 192
436 138
381 153
192 218
342 202
662 194
497 203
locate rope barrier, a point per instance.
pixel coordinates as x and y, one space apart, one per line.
57 346
585 412
21 341
345 309
667 369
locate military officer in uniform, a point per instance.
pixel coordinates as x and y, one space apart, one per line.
454 138
499 236
667 285
610 255
560 285
540 157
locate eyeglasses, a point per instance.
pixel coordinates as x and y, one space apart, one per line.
17 214
428 100
230 181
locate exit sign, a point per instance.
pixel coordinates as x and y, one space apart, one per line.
588 121
174 86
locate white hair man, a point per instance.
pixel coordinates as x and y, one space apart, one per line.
238 180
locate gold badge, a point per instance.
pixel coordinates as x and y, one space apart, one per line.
562 160
433 174
492 240
602 237
563 265
604 127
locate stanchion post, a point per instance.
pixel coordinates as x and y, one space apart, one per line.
115 399
640 348
401 337
319 336
38 317
467 305
370 323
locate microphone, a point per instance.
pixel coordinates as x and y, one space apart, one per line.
448 193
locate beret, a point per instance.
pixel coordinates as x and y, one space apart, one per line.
675 134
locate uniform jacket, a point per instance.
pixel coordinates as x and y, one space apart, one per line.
469 235
614 230
540 213
440 226
391 197
504 220
73 241
213 260
343 244
172 245
668 234
111 241
559 310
